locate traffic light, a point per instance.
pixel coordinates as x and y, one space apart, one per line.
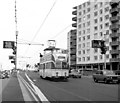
41 55
103 47
14 50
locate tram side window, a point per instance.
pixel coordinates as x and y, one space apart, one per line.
42 66
48 65
64 65
52 65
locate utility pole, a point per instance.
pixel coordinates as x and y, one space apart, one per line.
16 34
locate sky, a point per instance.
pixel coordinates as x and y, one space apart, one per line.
37 21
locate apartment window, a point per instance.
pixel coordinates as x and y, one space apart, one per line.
79 52
107 32
88 58
95 7
80 13
95 13
84 5
88 37
79 32
106 17
88 23
83 45
80 6
101 3
83 51
107 56
101 11
106 2
88 30
95 21
95 35
79 20
84 18
88 9
83 11
88 3
101 34
83 31
106 9
95 28
79 59
95 50
83 24
101 57
88 44
88 16
106 25
79 38
83 38
88 51
83 58
101 26
95 58
101 19
79 26
79 46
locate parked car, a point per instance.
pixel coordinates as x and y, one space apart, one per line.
5 75
106 76
75 74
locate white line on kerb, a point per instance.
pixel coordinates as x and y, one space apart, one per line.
24 84
38 91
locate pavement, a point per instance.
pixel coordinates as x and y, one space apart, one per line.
12 92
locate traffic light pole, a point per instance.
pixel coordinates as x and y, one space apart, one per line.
16 33
105 61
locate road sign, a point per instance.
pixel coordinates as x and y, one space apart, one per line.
8 44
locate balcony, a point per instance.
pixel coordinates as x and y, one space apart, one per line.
113 10
114 26
115 35
115 51
72 46
115 43
115 60
114 18
73 52
74 25
75 7
74 19
74 12
114 2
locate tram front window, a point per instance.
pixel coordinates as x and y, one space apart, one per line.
61 65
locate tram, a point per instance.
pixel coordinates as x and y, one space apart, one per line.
53 64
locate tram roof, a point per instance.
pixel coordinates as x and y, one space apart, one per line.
51 48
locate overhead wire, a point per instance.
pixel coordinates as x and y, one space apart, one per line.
60 32
41 25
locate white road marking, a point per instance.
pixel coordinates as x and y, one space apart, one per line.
25 93
40 94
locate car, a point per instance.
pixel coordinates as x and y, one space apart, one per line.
5 75
106 76
74 74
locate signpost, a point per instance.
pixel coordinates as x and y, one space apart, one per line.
8 44
100 44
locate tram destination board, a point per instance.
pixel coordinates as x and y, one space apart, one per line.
8 44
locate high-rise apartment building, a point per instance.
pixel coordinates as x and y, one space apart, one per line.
98 20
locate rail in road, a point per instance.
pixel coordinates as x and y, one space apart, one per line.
33 88
30 91
83 89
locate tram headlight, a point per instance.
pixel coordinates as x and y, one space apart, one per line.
65 73
56 73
